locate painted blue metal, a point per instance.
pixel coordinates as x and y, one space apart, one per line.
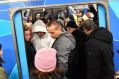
114 18
114 28
6 37
8 52
7 40
21 46
6 26
116 55
14 74
102 16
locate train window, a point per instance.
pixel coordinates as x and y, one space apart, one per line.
33 26
102 16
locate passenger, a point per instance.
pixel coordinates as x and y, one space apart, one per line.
78 67
3 74
64 44
41 38
79 14
27 15
30 50
1 52
72 14
99 51
118 50
89 14
61 16
28 25
93 10
116 75
45 62
51 17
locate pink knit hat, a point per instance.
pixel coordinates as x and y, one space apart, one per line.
45 59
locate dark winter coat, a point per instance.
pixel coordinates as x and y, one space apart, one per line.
3 74
30 53
99 51
78 66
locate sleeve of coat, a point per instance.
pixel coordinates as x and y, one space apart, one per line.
64 48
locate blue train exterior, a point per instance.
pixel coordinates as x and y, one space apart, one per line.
6 35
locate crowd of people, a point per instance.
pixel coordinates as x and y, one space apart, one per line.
68 46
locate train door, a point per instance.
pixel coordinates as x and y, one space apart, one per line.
23 17
114 22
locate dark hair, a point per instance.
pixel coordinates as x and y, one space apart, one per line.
56 74
53 22
0 46
89 24
72 24
51 17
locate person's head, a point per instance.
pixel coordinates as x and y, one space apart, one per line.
39 28
27 25
71 26
45 60
54 28
79 13
27 14
38 16
1 52
88 26
0 46
27 34
90 14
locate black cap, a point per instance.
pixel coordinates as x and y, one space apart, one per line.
71 24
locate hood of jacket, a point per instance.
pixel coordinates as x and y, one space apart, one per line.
102 34
69 36
39 26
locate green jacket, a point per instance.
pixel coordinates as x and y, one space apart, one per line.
3 74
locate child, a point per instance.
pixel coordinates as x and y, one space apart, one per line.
45 62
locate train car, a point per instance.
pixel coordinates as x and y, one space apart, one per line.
12 35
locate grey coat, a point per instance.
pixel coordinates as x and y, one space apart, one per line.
64 45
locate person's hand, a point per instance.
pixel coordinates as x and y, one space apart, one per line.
90 6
